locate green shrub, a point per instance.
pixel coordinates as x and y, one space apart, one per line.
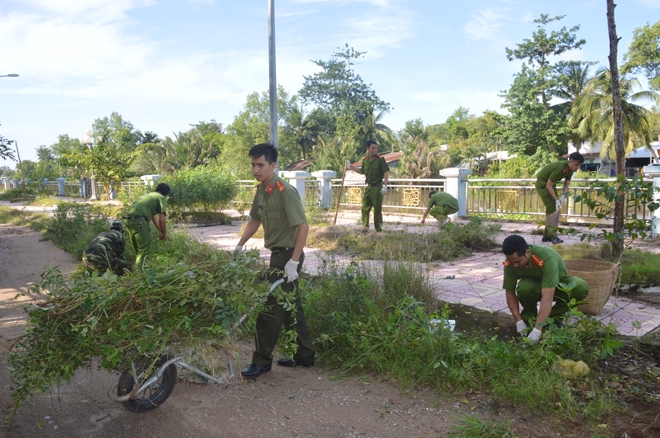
74 226
200 189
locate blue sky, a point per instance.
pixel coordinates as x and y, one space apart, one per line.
164 64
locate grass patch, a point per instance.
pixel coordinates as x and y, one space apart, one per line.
204 218
638 267
45 201
475 427
451 242
366 320
37 221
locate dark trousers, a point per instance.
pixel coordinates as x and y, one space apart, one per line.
271 319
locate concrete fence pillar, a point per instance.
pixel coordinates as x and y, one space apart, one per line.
83 188
456 185
5 182
60 186
149 180
16 182
655 222
324 181
297 179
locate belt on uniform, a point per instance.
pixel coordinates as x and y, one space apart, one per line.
135 217
376 185
279 248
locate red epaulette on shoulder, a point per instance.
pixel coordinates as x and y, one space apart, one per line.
365 157
506 263
279 186
536 261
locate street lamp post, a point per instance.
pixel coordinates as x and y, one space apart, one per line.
10 75
88 141
272 74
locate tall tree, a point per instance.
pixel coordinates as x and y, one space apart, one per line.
534 123
644 54
594 110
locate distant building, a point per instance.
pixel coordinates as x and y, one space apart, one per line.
635 161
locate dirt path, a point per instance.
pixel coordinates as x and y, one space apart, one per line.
282 403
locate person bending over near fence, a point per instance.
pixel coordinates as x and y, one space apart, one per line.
278 207
107 251
377 173
531 275
546 181
441 205
150 206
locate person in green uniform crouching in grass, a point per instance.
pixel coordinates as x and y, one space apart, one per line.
531 274
150 206
546 181
277 205
441 205
377 173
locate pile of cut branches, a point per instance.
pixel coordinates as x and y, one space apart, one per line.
178 305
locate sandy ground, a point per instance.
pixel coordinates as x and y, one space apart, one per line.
282 403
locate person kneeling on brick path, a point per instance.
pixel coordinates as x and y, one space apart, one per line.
531 275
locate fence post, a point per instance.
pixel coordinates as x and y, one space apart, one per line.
324 180
5 181
15 183
655 221
60 186
297 179
456 185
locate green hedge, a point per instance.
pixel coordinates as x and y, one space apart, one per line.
200 189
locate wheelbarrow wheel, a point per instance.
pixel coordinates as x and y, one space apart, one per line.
151 397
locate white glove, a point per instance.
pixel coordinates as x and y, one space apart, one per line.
558 203
562 198
348 164
291 271
239 248
520 326
383 190
534 336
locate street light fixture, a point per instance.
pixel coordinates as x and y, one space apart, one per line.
88 141
10 75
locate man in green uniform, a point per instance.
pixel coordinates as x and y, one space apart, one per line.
531 274
150 206
441 205
377 173
277 205
546 181
107 251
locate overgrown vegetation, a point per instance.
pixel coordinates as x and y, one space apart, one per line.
450 242
36 221
202 189
187 298
368 321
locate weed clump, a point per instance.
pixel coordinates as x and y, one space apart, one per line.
451 242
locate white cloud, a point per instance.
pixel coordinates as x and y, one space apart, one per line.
484 24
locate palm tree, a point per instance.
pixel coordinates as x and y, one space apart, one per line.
373 129
573 79
592 113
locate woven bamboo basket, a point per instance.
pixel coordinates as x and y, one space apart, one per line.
600 276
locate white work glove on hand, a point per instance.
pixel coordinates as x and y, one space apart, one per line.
348 164
383 190
239 248
534 336
291 271
562 198
520 327
558 203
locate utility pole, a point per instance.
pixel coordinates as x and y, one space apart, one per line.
272 76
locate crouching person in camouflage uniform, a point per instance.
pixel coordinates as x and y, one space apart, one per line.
107 251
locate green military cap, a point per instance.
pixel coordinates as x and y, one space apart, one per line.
117 225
